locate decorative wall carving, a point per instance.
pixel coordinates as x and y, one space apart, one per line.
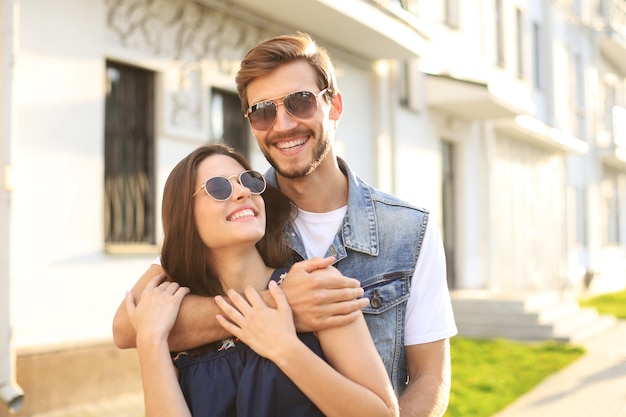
182 30
195 38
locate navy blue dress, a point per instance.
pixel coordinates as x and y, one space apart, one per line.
232 380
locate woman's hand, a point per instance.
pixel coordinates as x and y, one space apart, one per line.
266 330
155 313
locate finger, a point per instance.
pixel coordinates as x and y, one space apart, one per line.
341 320
330 277
129 301
310 265
229 311
184 291
181 293
253 296
337 281
347 307
169 287
155 282
228 326
238 301
278 295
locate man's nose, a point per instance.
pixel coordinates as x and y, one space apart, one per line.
284 119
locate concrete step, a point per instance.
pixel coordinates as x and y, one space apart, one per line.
588 330
485 302
525 317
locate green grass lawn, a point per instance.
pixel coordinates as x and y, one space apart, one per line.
613 304
487 375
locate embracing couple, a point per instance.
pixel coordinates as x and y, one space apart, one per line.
302 292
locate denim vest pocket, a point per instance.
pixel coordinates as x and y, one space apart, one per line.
386 292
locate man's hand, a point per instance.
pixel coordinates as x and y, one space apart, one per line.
320 297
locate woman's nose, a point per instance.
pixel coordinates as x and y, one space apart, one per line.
240 191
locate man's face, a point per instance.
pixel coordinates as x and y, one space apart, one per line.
294 146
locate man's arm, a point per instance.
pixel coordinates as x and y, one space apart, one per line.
428 390
319 296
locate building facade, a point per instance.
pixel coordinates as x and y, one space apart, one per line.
504 117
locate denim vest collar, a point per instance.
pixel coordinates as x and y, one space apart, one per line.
359 228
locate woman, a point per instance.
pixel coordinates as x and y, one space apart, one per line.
216 244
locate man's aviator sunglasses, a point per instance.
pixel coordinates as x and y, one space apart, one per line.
302 105
221 188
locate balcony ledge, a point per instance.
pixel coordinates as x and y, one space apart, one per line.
529 128
356 26
469 99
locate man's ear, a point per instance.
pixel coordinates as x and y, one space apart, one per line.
336 108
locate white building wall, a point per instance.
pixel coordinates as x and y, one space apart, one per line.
65 288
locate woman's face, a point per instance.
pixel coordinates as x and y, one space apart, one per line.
236 222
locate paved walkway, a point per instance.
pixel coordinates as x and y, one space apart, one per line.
593 386
130 405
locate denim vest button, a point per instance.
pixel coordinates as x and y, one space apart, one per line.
376 302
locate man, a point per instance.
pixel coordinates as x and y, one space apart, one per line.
289 94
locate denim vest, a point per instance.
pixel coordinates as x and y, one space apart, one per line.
378 243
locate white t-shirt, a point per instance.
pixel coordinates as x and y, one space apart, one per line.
429 315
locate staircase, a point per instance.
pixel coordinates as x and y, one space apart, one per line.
533 317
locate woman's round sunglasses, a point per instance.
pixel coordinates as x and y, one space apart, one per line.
221 188
302 105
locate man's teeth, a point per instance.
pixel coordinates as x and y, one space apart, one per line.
240 214
291 144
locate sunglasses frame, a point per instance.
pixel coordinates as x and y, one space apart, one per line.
232 187
280 101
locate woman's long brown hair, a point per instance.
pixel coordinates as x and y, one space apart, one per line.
183 255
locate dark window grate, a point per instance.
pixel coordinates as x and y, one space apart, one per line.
129 155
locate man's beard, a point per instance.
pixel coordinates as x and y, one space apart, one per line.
319 154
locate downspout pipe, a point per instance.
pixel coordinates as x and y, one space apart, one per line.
10 393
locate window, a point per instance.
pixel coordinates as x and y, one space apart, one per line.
448 203
610 99
537 58
519 42
577 96
499 33
581 217
228 125
129 156
452 13
610 189
408 74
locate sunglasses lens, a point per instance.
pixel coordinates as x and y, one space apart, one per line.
262 115
302 104
254 181
219 188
